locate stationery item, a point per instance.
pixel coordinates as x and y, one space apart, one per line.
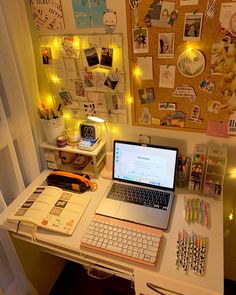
191 252
136 194
51 208
196 211
72 181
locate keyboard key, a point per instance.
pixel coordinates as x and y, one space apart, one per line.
132 242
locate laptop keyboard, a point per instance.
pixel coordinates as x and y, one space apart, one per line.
124 239
140 196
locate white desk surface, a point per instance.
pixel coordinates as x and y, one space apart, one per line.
69 246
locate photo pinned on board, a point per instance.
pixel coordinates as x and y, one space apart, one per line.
106 57
192 26
46 54
146 95
91 56
166 45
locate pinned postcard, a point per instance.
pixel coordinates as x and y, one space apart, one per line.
116 103
89 109
60 68
146 67
216 128
186 92
106 57
99 99
167 76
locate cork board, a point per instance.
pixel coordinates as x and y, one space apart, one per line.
163 103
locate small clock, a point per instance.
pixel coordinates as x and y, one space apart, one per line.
90 131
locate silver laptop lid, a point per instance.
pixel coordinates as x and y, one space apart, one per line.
148 165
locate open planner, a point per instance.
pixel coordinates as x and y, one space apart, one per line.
51 208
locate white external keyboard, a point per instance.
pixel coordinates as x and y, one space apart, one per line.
128 240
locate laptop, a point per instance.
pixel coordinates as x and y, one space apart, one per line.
147 170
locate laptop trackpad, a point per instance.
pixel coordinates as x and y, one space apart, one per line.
131 212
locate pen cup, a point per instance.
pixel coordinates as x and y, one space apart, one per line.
53 128
182 176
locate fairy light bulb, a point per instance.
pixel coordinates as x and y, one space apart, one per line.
137 72
231 215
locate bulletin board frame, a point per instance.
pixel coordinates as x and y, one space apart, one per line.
210 34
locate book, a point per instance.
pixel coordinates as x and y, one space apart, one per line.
51 208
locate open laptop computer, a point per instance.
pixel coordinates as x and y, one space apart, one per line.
149 168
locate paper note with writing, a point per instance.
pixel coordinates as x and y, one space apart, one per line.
146 67
60 68
70 68
167 76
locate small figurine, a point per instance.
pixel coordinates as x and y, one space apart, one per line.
109 21
173 17
147 20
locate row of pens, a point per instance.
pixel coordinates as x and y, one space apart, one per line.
191 252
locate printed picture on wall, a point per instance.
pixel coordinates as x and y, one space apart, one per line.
166 45
88 79
140 40
118 103
91 56
89 109
106 57
192 26
159 13
112 80
46 55
79 88
146 95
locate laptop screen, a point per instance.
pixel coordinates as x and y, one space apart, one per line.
150 165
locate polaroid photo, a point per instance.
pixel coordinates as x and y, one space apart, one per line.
91 56
112 80
106 57
140 40
192 26
46 54
146 95
166 45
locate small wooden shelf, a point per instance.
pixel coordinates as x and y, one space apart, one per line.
53 159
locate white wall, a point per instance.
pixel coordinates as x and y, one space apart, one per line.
185 141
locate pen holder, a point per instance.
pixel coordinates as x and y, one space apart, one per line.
182 176
53 128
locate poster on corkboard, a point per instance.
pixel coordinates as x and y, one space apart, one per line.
187 49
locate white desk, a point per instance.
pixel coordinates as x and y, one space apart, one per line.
164 274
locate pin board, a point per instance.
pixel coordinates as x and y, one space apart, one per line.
183 64
85 74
